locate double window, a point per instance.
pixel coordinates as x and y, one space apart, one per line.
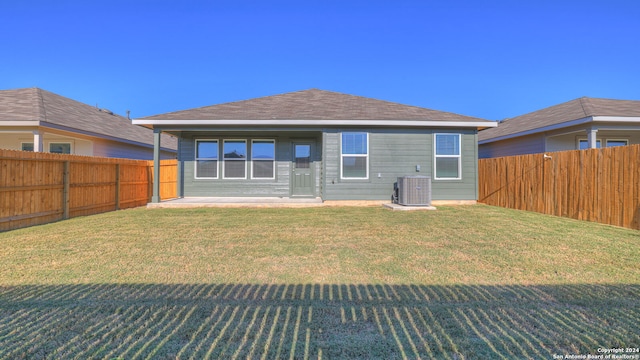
584 144
54 147
354 158
447 157
234 159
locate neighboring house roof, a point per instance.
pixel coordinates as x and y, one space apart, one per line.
37 107
574 112
311 107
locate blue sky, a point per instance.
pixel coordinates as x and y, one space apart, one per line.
490 59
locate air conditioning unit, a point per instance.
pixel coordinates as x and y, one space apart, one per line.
414 190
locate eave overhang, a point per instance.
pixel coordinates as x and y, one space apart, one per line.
582 121
316 123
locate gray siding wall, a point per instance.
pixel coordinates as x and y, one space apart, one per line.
570 141
394 153
532 144
278 187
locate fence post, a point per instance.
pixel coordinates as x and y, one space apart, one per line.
117 186
65 192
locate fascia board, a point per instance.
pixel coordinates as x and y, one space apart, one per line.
19 123
617 118
539 130
305 123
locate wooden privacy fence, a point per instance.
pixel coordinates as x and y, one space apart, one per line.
37 188
601 185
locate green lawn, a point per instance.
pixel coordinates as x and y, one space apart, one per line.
457 283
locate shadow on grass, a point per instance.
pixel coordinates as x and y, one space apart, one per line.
315 321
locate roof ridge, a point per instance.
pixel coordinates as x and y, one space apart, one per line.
586 105
42 109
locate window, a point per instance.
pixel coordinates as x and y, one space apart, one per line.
26 146
355 155
263 159
584 144
206 159
234 159
617 142
447 156
60 148
302 156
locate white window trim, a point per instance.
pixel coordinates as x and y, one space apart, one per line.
436 156
195 155
245 159
59 142
273 159
614 139
354 155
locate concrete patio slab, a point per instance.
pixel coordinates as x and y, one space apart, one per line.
398 207
194 202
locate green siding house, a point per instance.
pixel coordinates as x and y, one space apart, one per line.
319 144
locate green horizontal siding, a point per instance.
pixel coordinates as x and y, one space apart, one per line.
278 187
393 154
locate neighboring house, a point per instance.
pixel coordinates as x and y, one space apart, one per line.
578 124
317 143
37 120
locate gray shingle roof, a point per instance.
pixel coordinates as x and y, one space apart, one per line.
313 104
581 108
34 104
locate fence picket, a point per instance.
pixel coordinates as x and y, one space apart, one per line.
33 188
600 185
